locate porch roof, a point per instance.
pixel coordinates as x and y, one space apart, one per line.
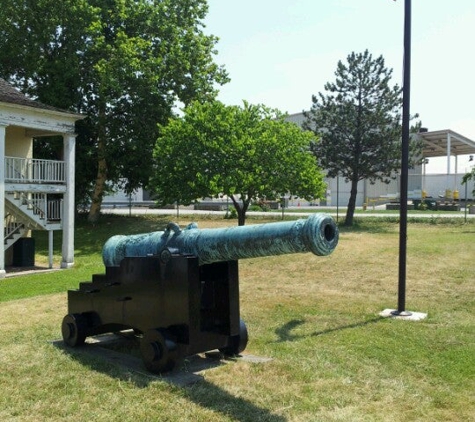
11 95
17 109
446 143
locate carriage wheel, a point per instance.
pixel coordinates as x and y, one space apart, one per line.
237 343
74 329
159 351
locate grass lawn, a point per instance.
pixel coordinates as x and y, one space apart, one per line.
334 358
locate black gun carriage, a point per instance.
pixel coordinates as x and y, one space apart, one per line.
179 289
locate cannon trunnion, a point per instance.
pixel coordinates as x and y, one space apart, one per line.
179 289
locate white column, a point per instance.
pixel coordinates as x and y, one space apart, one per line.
449 152
67 261
2 198
456 172
50 248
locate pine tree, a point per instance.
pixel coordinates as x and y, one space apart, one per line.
358 120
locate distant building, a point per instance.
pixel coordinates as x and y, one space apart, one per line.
441 143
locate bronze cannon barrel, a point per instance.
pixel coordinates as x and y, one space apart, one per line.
318 234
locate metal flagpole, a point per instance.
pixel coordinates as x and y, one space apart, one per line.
401 310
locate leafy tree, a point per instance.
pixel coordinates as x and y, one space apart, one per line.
469 176
358 120
246 153
124 63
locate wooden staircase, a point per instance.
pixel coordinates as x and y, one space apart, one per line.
28 211
13 230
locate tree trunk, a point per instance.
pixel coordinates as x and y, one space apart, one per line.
96 200
241 217
351 203
101 178
241 210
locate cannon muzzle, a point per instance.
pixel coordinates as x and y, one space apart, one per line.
317 234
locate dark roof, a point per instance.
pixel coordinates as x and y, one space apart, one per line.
9 94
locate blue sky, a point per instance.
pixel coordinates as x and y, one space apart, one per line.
280 52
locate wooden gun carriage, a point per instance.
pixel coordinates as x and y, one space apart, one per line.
179 289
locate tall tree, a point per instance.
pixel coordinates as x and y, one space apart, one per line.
246 153
358 119
124 63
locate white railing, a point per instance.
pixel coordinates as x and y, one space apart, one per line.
29 170
43 207
11 226
54 210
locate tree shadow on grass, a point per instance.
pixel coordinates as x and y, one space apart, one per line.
187 377
285 334
238 409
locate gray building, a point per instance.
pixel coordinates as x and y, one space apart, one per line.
441 143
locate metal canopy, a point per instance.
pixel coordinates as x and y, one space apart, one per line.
446 142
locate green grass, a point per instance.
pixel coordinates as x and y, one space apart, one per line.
360 211
89 240
334 357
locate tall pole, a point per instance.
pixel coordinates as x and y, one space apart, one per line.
406 93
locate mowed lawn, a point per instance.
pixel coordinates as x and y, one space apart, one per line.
333 357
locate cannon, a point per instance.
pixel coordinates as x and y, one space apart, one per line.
178 290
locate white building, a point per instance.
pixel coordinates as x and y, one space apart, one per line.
35 194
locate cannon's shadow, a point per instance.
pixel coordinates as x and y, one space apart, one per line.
285 333
100 357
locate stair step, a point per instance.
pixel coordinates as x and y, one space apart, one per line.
26 213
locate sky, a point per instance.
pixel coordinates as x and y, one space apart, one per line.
281 52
